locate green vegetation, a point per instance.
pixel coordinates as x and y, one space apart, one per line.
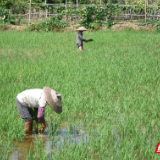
112 88
153 22
92 16
5 17
49 24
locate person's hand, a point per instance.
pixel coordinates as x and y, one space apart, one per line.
44 125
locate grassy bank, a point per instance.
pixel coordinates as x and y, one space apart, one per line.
112 88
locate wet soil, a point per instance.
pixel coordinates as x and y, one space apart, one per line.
50 140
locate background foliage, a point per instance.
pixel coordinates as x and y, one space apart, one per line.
9 3
92 16
5 17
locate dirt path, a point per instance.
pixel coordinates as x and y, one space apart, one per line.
132 26
117 27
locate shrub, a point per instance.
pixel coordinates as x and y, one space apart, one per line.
49 24
5 17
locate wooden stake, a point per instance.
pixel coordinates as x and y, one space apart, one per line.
29 20
46 8
145 10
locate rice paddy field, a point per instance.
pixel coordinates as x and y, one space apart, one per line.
110 94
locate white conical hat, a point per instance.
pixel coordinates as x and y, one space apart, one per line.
53 99
81 29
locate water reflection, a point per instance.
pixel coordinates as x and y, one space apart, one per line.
50 140
20 148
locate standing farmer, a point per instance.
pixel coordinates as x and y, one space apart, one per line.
80 39
31 105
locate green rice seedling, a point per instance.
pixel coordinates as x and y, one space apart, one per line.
111 88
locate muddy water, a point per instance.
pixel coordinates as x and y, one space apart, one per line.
75 134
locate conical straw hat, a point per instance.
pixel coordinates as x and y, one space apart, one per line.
81 29
53 99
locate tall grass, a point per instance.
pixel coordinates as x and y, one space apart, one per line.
112 88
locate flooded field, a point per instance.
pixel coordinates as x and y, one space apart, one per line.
50 142
110 95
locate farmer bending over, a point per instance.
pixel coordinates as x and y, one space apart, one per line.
31 105
80 39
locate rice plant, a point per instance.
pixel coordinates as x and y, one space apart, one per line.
111 88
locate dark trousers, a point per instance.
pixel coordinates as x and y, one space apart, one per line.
25 112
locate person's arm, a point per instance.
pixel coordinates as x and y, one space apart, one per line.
85 40
40 116
81 37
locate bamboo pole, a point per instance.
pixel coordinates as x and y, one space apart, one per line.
46 8
77 4
29 20
66 10
145 10
147 2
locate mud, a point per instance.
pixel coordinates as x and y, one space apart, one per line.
64 133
